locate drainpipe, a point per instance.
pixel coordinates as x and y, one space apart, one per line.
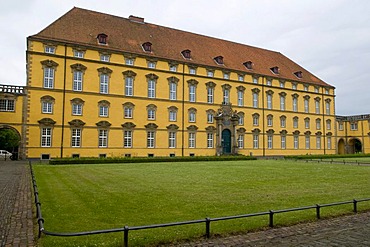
263 117
323 120
183 110
64 97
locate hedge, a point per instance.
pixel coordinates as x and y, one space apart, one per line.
326 156
94 160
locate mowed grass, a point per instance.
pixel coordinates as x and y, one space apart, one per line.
91 197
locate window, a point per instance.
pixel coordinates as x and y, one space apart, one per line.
210 92
326 91
295 122
150 138
269 101
209 140
354 126
78 54
282 121
255 100
240 141
128 111
341 126
192 91
255 80
129 61
306 105
226 96
127 139
77 80
255 141
103 111
7 104
296 142
192 71
46 137
294 86
103 138
50 49
172 115
147 46
305 87
104 83
327 106
282 102
328 124
191 140
151 114
151 88
317 106
295 104
102 38
173 91
77 109
173 67
255 119
240 77
283 142
129 86
151 64
240 97
318 142
269 120
269 141
316 89
76 138
104 57
210 73
192 115
318 124
268 82
328 139
186 54
226 76
241 118
48 77
47 107
209 118
282 84
172 139
307 123
307 140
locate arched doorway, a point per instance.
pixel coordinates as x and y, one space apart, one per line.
226 141
341 147
355 146
10 140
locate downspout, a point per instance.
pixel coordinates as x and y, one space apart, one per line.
323 120
64 97
263 117
183 110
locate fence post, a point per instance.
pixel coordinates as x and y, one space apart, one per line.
271 219
125 236
354 205
208 227
317 211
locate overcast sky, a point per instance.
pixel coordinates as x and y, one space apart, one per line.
330 38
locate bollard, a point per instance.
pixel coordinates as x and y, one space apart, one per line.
208 227
317 211
271 219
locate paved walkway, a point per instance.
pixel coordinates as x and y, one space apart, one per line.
16 219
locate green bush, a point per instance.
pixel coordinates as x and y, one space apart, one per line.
325 156
94 160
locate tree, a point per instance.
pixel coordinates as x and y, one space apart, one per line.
9 139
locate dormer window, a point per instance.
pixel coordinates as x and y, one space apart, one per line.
186 54
102 38
248 64
147 46
275 70
219 60
298 74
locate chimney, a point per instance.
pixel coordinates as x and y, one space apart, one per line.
136 19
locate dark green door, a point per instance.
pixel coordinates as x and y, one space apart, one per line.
226 141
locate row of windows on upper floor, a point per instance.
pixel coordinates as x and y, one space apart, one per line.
128 139
104 81
192 69
128 113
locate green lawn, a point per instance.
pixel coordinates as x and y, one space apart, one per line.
91 197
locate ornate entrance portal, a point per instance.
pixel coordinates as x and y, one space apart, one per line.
226 120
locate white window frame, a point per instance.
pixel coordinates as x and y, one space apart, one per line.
127 138
49 74
192 93
269 101
171 139
76 137
46 134
104 83
77 80
150 139
103 111
129 86
282 103
328 139
255 100
49 49
317 106
104 57
270 141
78 54
226 96
295 123
77 109
283 142
282 122
306 106
173 91
192 137
128 112
210 95
151 89
255 141
103 138
241 141
296 141
172 116
47 107
151 65
129 61
295 104
308 142
192 116
318 142
7 105
210 142
240 98
151 114
327 104
209 118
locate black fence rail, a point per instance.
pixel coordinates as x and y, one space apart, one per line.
206 221
336 161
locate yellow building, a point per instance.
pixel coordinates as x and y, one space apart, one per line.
353 134
102 85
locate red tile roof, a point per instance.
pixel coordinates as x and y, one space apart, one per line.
80 26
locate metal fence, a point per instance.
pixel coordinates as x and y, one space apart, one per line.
206 221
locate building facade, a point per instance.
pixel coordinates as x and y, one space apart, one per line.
104 86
